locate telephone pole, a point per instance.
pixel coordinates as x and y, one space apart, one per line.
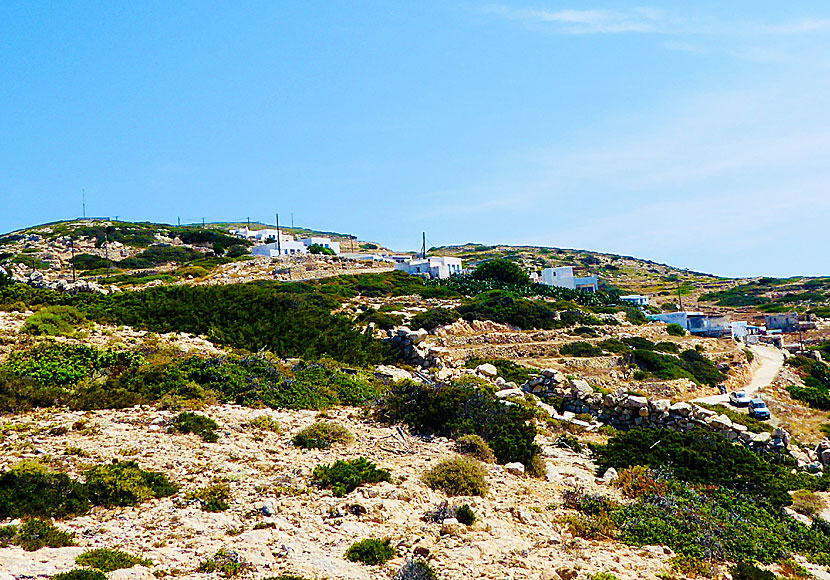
279 244
424 247
292 220
83 202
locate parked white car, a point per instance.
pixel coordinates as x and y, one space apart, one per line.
739 398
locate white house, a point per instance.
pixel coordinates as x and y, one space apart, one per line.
244 233
325 242
274 250
635 299
431 267
563 277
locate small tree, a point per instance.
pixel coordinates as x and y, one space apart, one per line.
318 249
503 271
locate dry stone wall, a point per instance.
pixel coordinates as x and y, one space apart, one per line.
625 411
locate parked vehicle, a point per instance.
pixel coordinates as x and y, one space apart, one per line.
739 398
758 409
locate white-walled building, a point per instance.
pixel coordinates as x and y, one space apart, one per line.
244 233
635 299
274 250
431 267
325 242
563 277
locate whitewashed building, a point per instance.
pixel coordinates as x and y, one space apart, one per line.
274 250
431 267
635 299
325 242
563 277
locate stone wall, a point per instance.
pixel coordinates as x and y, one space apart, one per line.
624 411
409 347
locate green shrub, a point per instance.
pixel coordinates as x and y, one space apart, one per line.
465 515
461 408
458 476
475 446
432 319
675 329
34 534
226 562
80 574
603 576
212 498
322 435
383 320
691 566
29 489
792 569
371 551
7 535
580 349
320 249
265 423
639 481
501 271
344 477
508 370
55 321
189 422
107 560
123 483
747 571
416 569
700 457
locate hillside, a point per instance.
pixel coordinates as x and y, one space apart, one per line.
193 413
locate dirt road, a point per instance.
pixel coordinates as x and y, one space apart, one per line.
771 360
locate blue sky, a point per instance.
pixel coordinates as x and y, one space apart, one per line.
692 135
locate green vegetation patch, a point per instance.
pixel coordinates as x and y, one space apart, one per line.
124 483
322 435
107 560
55 321
816 376
460 408
371 551
189 422
30 489
458 476
212 498
344 477
34 534
508 370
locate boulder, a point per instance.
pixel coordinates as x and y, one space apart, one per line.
581 389
515 468
610 475
505 393
487 369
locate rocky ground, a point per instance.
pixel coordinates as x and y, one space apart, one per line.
303 530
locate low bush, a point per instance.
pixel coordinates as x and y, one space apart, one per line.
7 535
226 562
603 576
460 408
383 320
344 477
322 435
212 498
432 319
816 376
124 483
80 574
107 560
189 422
265 423
675 330
458 476
416 569
55 321
580 349
747 571
34 534
502 271
475 446
465 514
639 481
691 567
507 369
371 551
30 489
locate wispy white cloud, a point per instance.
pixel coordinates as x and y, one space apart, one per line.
572 21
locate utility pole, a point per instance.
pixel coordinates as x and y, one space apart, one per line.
179 221
424 247
203 223
279 244
248 227
72 243
679 296
292 220
83 202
